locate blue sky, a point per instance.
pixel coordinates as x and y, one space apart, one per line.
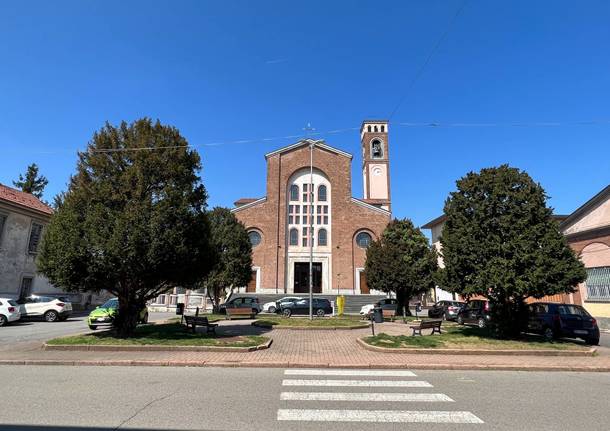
226 71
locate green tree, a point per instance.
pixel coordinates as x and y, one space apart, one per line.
501 241
32 182
401 262
233 255
133 220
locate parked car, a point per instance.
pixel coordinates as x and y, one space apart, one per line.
105 314
447 310
271 307
9 311
321 307
241 302
50 309
476 311
385 304
553 320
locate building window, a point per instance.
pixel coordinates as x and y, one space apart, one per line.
35 235
322 193
294 236
369 128
26 287
382 128
322 237
294 192
376 150
598 284
255 238
2 223
161 299
363 239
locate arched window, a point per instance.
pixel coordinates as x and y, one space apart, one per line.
294 237
376 150
369 128
322 237
376 128
382 128
363 239
294 192
322 193
255 238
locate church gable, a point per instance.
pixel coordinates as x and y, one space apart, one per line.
306 143
593 214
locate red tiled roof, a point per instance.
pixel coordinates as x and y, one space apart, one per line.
23 199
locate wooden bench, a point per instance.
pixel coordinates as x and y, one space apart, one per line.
389 314
240 311
194 321
435 325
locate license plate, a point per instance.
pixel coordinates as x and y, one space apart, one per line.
580 331
101 319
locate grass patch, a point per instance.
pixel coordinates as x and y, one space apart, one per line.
463 337
168 334
317 322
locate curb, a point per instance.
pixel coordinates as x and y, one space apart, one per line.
310 328
486 352
227 364
111 348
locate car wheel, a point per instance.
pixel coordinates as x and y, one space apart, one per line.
92 327
320 312
51 316
590 341
481 323
272 309
287 312
460 320
3 320
548 334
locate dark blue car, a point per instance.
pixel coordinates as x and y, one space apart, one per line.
553 320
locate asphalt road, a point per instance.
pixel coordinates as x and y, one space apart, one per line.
107 398
36 330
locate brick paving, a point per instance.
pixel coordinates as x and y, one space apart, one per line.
313 348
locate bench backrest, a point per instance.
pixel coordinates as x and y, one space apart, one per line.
430 323
389 312
240 310
197 319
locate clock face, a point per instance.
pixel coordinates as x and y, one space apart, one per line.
377 171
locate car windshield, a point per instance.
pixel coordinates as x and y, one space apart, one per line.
13 303
111 303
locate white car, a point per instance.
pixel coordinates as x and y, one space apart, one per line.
366 309
9 311
50 309
271 307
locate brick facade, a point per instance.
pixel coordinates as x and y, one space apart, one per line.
348 217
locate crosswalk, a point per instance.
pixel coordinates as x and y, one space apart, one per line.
301 388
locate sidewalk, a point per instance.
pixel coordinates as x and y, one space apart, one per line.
313 348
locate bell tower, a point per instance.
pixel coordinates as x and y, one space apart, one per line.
376 163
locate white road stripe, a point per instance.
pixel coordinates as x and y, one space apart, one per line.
359 396
331 372
359 383
377 416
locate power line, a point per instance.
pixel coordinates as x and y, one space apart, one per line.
428 58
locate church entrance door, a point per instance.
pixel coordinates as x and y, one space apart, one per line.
301 277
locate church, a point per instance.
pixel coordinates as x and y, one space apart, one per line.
304 207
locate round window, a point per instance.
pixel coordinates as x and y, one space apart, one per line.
363 239
255 238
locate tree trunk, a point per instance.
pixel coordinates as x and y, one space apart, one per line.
128 316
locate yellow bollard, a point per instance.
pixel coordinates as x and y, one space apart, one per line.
340 305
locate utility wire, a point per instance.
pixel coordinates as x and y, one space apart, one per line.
428 58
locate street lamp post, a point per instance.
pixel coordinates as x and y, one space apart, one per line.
310 236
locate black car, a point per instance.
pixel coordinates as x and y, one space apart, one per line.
241 302
553 320
476 311
447 310
301 307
